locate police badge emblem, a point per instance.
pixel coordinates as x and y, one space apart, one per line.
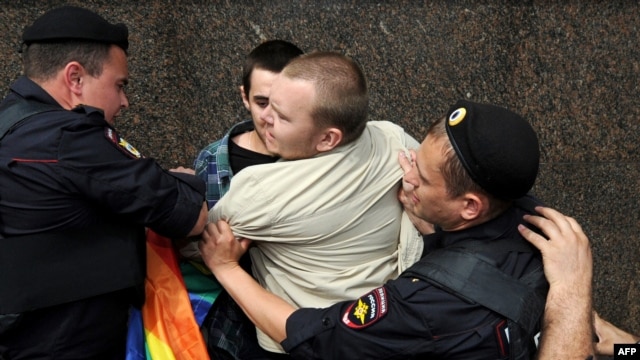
366 310
122 144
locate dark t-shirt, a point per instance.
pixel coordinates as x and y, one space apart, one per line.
240 158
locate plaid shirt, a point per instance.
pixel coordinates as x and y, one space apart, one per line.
212 164
225 326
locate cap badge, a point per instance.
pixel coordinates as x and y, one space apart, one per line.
457 116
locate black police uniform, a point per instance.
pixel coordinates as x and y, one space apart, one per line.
74 201
409 318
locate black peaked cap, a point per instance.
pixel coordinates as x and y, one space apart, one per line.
75 23
497 147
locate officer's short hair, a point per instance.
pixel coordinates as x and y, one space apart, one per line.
42 61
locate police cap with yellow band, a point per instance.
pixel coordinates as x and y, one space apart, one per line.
497 147
75 23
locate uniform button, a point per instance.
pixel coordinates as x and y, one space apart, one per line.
415 280
326 322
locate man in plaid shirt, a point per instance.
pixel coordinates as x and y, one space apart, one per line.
226 329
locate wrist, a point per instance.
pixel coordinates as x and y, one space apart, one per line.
578 290
225 273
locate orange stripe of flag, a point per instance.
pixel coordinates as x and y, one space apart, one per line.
169 323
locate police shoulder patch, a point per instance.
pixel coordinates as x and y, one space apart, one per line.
121 144
366 310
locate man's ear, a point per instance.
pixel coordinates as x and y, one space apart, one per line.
474 206
244 98
329 139
74 74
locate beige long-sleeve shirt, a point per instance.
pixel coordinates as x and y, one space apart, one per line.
326 228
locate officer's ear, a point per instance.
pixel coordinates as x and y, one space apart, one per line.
474 206
74 74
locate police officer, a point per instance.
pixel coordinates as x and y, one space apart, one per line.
75 196
477 293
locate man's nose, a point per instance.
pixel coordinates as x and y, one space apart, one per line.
266 115
125 102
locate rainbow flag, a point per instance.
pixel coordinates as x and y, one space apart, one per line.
168 326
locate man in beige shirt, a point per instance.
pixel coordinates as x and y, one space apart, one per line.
477 294
328 225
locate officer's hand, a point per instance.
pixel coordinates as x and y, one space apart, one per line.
406 163
184 170
219 247
609 334
566 254
421 225
568 266
424 227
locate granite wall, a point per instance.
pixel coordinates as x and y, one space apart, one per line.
572 68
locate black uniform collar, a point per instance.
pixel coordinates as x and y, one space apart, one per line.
490 230
29 90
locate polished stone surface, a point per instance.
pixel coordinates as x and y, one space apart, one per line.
572 68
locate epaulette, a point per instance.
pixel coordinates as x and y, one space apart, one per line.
122 144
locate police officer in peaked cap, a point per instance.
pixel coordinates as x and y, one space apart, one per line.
75 196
